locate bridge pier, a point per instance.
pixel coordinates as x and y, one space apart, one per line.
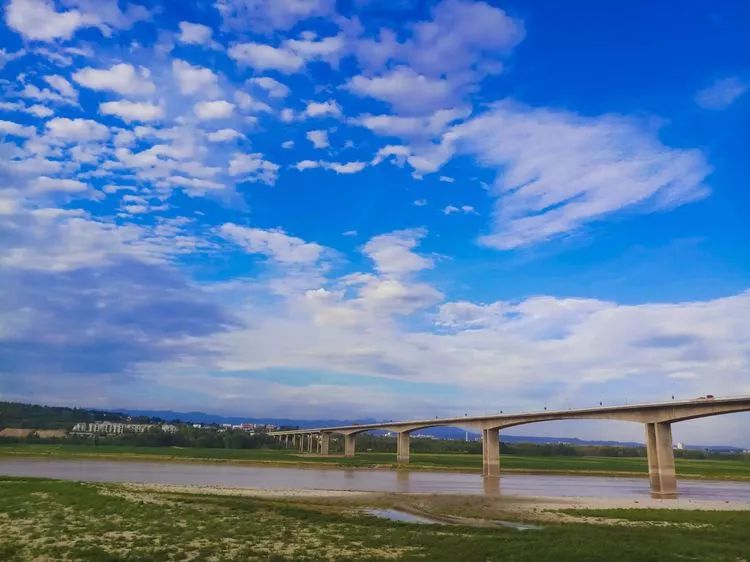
348 445
490 452
402 447
661 471
325 443
301 443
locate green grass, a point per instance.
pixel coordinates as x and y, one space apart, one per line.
53 520
719 469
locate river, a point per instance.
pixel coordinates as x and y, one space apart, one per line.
276 477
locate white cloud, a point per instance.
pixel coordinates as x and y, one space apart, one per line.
196 34
303 165
274 88
253 167
248 103
107 15
271 15
318 138
275 244
323 109
338 167
111 188
329 49
47 184
393 252
266 57
405 90
287 115
413 127
40 110
64 87
224 135
57 240
16 130
132 111
441 60
420 202
195 79
397 153
219 109
194 186
38 19
463 209
345 167
76 130
559 171
6 57
287 145
30 91
121 78
722 93
447 179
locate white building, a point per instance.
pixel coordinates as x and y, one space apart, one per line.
118 428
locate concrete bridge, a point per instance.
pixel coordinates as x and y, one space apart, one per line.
657 419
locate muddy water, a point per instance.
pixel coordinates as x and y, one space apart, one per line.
270 477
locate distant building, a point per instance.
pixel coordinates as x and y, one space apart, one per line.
680 446
118 428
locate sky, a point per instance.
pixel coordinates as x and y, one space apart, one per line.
335 210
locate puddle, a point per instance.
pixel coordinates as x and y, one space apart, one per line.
403 516
406 517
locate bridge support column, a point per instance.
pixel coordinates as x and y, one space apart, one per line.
661 471
348 445
490 452
402 447
325 443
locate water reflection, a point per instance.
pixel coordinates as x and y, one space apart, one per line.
491 485
402 481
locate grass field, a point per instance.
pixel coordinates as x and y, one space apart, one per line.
54 520
718 469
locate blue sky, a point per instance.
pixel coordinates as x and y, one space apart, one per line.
343 209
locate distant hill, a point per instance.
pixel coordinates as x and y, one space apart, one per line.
18 415
202 417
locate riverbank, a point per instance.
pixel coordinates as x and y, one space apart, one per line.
738 470
51 519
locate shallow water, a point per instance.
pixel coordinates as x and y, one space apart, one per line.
406 517
276 477
397 515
